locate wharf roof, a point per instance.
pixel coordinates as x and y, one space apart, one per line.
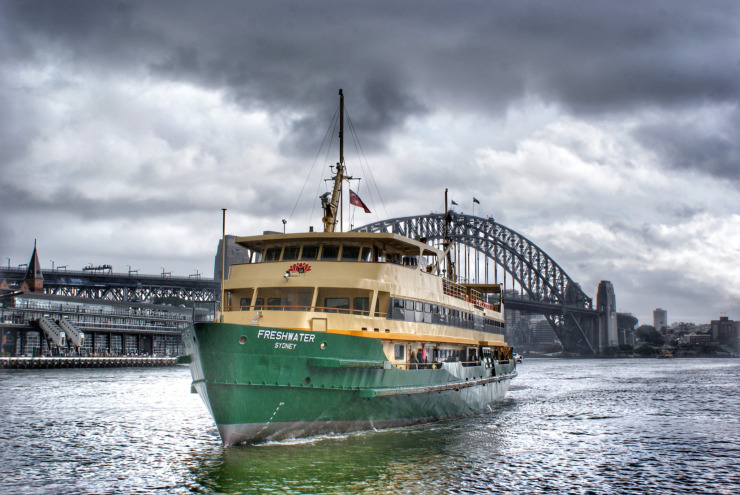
87 301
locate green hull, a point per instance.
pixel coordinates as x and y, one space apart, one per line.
268 384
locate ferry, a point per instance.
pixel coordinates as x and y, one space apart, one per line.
332 332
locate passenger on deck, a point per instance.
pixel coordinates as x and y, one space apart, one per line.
413 361
421 357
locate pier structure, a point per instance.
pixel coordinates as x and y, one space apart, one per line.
96 313
47 325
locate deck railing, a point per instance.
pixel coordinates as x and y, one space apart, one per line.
467 294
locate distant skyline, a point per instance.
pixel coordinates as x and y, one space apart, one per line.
605 132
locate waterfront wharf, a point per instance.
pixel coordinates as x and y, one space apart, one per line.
84 362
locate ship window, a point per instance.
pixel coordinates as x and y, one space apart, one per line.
245 302
258 303
298 298
290 253
350 253
409 304
336 304
329 252
397 312
400 354
272 254
427 313
419 306
288 298
367 254
361 305
309 252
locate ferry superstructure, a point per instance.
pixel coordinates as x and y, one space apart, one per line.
326 332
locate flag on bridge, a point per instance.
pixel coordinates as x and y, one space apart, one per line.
476 201
354 199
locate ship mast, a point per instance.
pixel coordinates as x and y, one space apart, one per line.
447 245
331 205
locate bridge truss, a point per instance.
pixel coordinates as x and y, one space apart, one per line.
121 286
543 285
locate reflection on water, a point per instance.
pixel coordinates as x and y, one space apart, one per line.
413 459
601 426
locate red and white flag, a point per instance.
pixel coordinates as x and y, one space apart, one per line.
354 199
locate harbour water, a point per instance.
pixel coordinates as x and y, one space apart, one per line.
567 426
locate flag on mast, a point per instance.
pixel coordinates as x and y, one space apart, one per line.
476 201
354 199
453 203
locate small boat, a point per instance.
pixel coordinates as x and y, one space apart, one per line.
331 332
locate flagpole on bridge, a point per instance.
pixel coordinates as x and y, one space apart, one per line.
475 252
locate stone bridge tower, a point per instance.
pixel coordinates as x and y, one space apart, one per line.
608 333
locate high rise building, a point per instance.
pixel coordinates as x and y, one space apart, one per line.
660 319
725 331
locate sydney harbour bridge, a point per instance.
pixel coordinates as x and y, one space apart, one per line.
537 284
483 250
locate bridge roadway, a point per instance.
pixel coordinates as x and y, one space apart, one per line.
553 311
120 286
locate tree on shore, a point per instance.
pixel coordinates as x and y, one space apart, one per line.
648 333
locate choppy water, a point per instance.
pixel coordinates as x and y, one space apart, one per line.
584 426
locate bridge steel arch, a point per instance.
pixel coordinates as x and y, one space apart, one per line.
549 289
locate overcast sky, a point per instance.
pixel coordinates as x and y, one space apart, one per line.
605 132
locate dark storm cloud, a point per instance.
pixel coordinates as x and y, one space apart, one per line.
16 201
700 145
397 60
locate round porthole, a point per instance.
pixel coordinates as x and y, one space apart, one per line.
323 345
242 340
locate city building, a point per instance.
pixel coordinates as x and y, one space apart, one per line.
529 332
699 338
660 320
725 331
235 254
